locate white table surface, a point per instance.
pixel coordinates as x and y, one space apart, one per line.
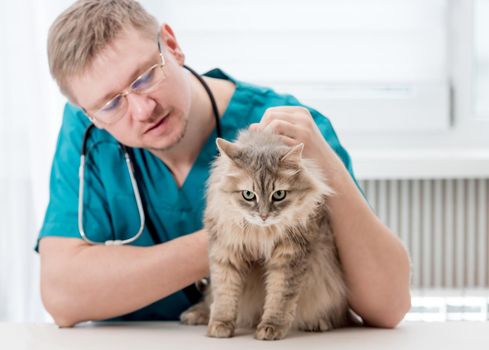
171 335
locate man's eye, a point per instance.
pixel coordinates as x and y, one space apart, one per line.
112 104
143 80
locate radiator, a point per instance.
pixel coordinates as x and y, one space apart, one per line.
444 225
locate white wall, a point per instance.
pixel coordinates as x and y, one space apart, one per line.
30 112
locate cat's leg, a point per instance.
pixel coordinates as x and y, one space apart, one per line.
197 314
227 285
322 324
344 318
284 279
323 303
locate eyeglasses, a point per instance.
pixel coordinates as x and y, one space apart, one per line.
116 107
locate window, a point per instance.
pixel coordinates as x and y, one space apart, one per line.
394 76
481 52
368 65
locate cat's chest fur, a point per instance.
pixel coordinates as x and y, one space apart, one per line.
253 244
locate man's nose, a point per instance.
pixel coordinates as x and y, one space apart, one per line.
140 106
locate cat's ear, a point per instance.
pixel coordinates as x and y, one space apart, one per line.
294 155
227 148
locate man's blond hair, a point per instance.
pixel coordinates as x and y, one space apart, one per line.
88 26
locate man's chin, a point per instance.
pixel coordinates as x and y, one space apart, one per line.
167 143
164 147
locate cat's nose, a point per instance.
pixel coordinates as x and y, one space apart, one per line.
264 216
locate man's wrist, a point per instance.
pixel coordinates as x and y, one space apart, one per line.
333 169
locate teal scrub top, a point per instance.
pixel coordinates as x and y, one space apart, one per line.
110 211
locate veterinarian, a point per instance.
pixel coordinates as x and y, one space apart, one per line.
125 240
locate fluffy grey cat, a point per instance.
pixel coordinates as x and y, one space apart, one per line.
273 259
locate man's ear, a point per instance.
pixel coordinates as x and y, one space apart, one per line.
74 102
95 122
171 44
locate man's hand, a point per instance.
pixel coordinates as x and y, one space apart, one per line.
81 282
295 125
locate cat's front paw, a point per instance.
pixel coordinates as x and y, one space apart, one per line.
321 325
268 331
196 315
220 329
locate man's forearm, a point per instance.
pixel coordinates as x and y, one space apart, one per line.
98 282
374 260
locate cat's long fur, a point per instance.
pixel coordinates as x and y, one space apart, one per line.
276 273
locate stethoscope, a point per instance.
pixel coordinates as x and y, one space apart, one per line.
144 220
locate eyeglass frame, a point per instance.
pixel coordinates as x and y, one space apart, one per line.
129 89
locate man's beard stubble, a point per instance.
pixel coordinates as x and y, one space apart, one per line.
176 142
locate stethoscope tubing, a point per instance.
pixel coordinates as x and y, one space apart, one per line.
137 197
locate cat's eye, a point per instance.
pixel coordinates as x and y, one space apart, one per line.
278 195
248 195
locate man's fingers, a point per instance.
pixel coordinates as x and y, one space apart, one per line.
289 141
254 126
294 115
282 127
